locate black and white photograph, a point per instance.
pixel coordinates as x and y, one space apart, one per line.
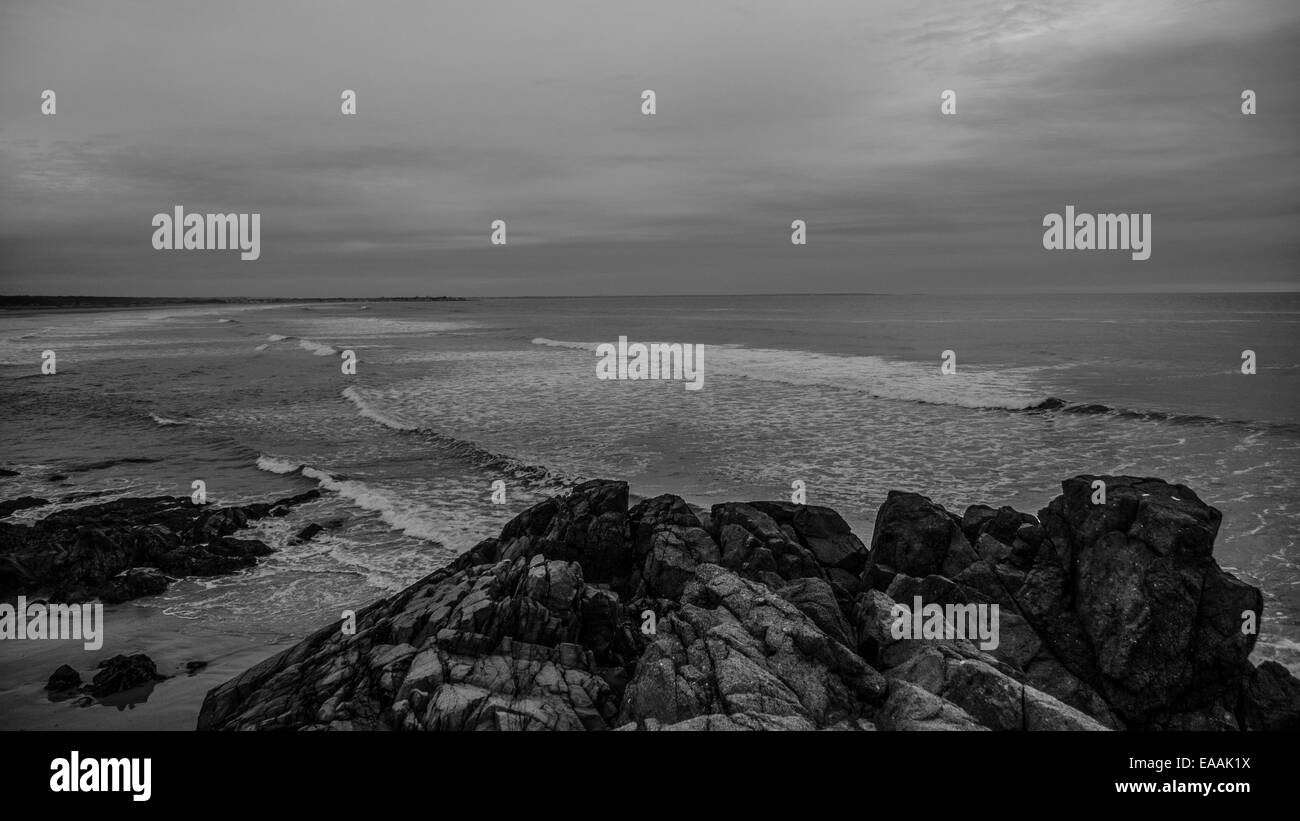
864 366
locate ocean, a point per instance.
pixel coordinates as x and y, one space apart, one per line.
843 393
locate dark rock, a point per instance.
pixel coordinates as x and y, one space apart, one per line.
1128 597
306 534
913 535
123 672
822 531
133 584
74 554
192 667
583 614
1271 699
21 503
64 679
753 543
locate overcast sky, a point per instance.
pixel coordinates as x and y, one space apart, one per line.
530 112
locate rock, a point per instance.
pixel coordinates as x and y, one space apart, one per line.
1271 699
133 584
913 708
64 679
1152 625
736 648
582 614
306 534
21 503
816 600
753 543
822 531
913 535
192 667
123 672
73 554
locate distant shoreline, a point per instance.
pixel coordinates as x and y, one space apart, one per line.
22 302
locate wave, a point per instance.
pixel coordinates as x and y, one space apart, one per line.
1055 405
873 375
274 464
398 513
317 348
165 421
535 475
104 464
559 343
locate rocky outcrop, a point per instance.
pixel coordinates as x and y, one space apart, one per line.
585 614
21 503
126 548
118 674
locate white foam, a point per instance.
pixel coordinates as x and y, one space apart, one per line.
275 464
558 343
872 375
165 421
276 338
368 410
317 348
396 512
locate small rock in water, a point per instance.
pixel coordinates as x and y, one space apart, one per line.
123 673
306 534
64 679
193 667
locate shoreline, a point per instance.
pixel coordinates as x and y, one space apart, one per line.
569 583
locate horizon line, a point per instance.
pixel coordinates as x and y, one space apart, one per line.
448 297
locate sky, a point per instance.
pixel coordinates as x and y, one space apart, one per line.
530 112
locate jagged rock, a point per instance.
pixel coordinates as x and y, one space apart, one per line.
991 697
1271 699
736 647
582 614
123 672
754 545
73 554
21 503
910 707
816 600
913 534
668 543
822 531
134 583
1129 599
307 533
